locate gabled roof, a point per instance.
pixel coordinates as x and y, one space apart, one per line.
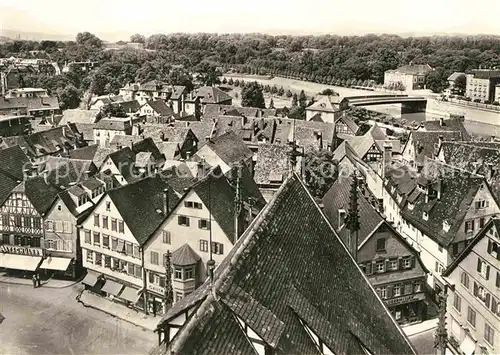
63 171
452 125
230 148
323 104
307 134
169 149
425 143
413 69
454 76
349 123
12 162
160 107
113 124
212 95
140 204
8 142
273 160
213 111
263 282
249 189
200 129
78 116
131 106
185 256
148 146
375 136
55 139
458 189
40 194
493 222
84 153
124 158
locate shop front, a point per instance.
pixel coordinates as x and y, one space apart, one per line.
155 299
408 309
63 268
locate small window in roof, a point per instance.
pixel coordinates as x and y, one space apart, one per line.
275 177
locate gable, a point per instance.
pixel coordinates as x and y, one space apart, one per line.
19 203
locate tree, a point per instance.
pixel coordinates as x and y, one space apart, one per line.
180 76
327 92
437 80
320 172
252 96
138 38
224 81
113 110
289 93
460 84
208 74
294 100
88 39
302 99
271 103
69 97
281 91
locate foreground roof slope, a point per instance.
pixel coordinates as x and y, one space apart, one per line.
267 283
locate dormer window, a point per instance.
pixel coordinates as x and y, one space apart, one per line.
410 206
425 216
342 214
446 226
323 349
393 189
82 200
400 198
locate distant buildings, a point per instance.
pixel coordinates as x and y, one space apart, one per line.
473 307
322 111
412 76
481 85
154 90
27 92
35 106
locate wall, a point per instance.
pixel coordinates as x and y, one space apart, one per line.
104 136
127 236
108 164
325 116
483 314
205 152
57 214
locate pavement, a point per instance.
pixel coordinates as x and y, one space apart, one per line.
89 299
423 342
51 283
420 327
51 321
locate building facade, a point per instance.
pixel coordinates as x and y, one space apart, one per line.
473 303
481 85
411 76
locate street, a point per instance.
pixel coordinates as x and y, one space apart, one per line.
51 321
424 342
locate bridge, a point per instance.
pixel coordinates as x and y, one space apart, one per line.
409 104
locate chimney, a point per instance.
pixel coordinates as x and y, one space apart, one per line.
386 158
165 201
490 172
441 121
200 169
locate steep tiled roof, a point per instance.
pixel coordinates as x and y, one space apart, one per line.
55 139
425 144
87 130
141 205
272 161
169 149
78 116
338 197
309 135
12 162
177 91
185 256
200 129
43 103
65 171
272 287
131 106
212 95
323 104
213 111
248 129
167 133
113 124
458 189
125 159
454 76
230 148
148 146
40 194
349 123
160 107
249 188
7 142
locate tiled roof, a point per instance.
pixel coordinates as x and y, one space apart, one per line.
125 159
273 160
113 124
140 204
249 188
323 104
486 74
230 148
43 103
78 116
212 95
414 69
362 144
338 197
131 106
309 135
12 162
65 171
494 222
159 106
458 189
452 124
349 123
478 159
200 129
40 194
179 177
185 256
425 143
177 91
269 286
7 142
166 133
148 146
169 149
454 76
55 139
213 111
87 131
248 129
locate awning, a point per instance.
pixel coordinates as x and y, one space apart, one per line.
19 262
131 294
52 263
112 287
468 346
90 279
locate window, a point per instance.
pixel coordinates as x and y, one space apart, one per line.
189 274
417 286
105 222
483 268
178 296
203 224
97 238
408 288
497 282
108 206
121 227
107 261
471 317
425 216
113 224
188 204
381 244
138 271
379 266
131 269
397 290
96 220
398 315
393 264
90 256
383 292
407 263
178 273
203 245
469 226
105 241
464 279
183 221
481 222
87 236
457 302
27 222
481 204
98 259
166 237
129 249
154 258
489 334
217 248
136 252
114 243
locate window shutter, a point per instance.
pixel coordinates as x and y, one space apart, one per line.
479 264
413 261
179 220
490 246
369 268
400 263
199 223
475 291
487 300
487 272
389 291
151 278
187 221
387 264
493 305
498 280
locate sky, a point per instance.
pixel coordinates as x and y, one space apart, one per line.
117 19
